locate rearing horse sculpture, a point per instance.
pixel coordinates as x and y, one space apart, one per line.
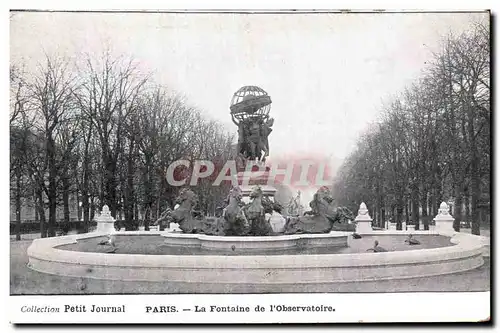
235 221
255 214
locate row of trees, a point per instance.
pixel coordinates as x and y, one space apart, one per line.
431 144
103 131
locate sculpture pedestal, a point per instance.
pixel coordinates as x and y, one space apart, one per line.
248 179
363 226
444 225
444 221
105 222
363 220
106 227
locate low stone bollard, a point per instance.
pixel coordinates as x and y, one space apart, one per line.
363 220
444 220
105 222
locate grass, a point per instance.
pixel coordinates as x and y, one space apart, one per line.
26 281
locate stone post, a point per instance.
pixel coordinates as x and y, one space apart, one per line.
444 221
363 220
105 222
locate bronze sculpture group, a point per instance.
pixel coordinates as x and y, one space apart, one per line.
240 219
250 112
253 142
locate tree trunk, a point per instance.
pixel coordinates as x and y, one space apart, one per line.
110 182
129 192
458 209
415 207
36 209
52 195
111 198
92 208
475 176
424 203
148 192
85 183
467 205
85 195
85 209
41 212
79 208
136 208
66 187
399 213
407 211
18 206
436 192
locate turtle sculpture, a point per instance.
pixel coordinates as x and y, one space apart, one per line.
411 241
376 248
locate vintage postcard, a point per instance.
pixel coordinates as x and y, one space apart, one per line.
250 166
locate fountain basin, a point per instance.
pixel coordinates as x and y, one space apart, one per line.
257 243
45 256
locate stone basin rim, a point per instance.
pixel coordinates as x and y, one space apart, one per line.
45 257
55 242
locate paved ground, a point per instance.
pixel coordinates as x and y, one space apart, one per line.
26 281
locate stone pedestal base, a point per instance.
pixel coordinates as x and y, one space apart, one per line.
444 226
444 221
247 180
267 190
105 222
106 227
363 226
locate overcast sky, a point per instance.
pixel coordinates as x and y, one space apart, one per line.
327 74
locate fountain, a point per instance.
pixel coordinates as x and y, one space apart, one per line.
252 243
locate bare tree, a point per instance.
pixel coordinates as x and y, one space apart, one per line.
51 90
